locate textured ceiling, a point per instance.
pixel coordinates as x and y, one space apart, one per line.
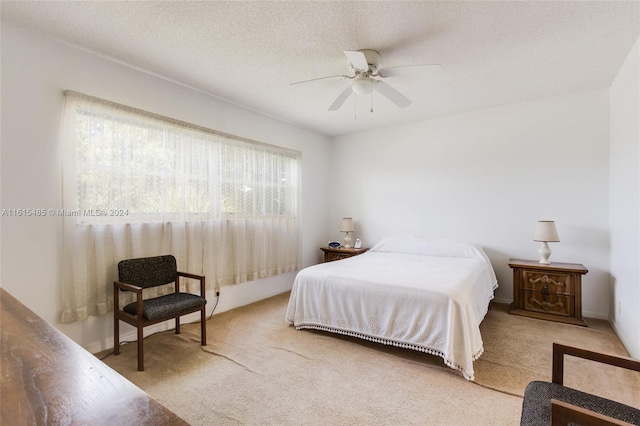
492 53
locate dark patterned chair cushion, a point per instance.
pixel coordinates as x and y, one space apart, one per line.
536 406
167 306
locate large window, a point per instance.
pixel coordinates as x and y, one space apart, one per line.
138 184
137 168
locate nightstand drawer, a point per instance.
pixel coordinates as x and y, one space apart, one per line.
548 303
550 283
330 257
331 254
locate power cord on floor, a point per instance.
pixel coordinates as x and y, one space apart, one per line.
216 305
124 342
498 390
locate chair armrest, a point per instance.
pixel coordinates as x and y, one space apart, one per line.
127 287
560 350
563 413
201 278
188 275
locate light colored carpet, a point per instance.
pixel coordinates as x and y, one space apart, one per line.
256 370
518 350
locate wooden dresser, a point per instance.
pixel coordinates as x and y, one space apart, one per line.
552 292
47 379
331 254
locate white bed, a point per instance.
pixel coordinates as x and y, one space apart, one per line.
426 295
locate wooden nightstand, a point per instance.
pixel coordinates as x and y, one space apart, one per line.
331 254
552 292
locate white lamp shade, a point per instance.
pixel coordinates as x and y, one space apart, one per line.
546 231
347 225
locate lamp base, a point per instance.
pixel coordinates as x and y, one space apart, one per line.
347 241
544 252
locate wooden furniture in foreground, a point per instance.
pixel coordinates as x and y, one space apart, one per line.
331 254
552 403
138 274
47 379
552 292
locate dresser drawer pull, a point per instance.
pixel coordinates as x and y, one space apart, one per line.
545 292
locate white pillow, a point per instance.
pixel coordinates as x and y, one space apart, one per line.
430 247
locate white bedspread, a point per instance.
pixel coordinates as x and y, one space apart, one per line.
427 303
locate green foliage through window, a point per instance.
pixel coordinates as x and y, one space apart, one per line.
154 169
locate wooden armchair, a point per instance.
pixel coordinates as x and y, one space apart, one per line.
138 274
554 404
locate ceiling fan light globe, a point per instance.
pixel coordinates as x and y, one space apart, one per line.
362 86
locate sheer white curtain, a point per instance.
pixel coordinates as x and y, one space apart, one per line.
137 184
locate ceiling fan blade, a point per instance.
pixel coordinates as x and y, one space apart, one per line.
410 70
319 78
357 59
342 97
392 94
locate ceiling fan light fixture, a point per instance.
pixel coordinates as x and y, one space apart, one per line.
362 86
364 74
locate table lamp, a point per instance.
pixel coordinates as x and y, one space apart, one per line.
347 226
546 233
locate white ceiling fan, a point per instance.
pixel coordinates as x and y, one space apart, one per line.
365 76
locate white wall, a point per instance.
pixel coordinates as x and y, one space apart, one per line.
487 177
35 71
625 202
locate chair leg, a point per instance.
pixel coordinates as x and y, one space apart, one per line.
203 327
140 348
116 320
177 325
116 335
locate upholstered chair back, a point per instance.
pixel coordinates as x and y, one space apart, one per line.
148 271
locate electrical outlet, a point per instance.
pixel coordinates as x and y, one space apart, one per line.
217 293
619 308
